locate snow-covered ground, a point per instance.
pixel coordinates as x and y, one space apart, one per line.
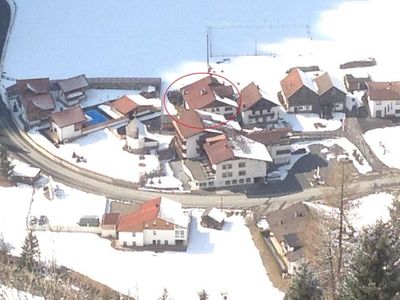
213 261
104 154
312 122
385 143
367 210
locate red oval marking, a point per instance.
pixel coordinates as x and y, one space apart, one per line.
231 118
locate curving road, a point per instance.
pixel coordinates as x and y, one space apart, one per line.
86 181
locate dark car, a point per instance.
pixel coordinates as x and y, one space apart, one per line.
43 220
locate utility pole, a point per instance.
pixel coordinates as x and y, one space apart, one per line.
208 52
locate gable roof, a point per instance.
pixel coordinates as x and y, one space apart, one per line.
215 214
191 118
110 219
250 95
67 117
295 80
163 208
36 86
219 151
325 82
205 91
270 137
124 105
387 90
73 83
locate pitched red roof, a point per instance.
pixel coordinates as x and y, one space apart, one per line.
135 221
218 151
124 105
389 90
295 80
270 137
35 86
191 118
69 117
203 92
110 219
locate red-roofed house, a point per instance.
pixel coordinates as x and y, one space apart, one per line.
33 96
255 108
384 98
159 221
127 106
210 95
72 91
299 93
68 123
188 134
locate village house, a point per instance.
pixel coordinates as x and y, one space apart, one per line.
210 95
213 218
256 109
136 142
228 161
286 229
133 106
332 95
188 138
299 93
384 99
354 84
33 97
277 142
72 91
68 123
25 173
159 222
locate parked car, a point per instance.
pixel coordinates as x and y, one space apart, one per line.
43 220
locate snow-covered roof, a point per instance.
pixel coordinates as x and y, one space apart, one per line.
140 100
209 119
216 214
244 147
172 212
227 101
308 81
23 169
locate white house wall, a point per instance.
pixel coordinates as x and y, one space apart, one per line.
253 168
390 105
258 117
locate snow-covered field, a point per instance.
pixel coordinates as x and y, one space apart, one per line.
385 144
214 261
104 154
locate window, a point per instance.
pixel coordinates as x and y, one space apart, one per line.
253 112
242 165
228 108
158 242
378 102
230 174
154 242
217 109
211 183
397 111
234 181
146 225
125 244
260 119
179 233
154 232
165 242
261 112
212 109
223 167
229 166
242 173
154 223
133 234
228 182
224 175
281 152
241 180
248 179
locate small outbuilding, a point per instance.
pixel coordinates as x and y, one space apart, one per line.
25 173
213 218
90 221
109 225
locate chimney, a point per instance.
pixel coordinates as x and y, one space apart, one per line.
203 92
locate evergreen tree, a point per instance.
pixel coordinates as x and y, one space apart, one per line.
203 295
304 285
165 295
5 163
30 251
373 272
